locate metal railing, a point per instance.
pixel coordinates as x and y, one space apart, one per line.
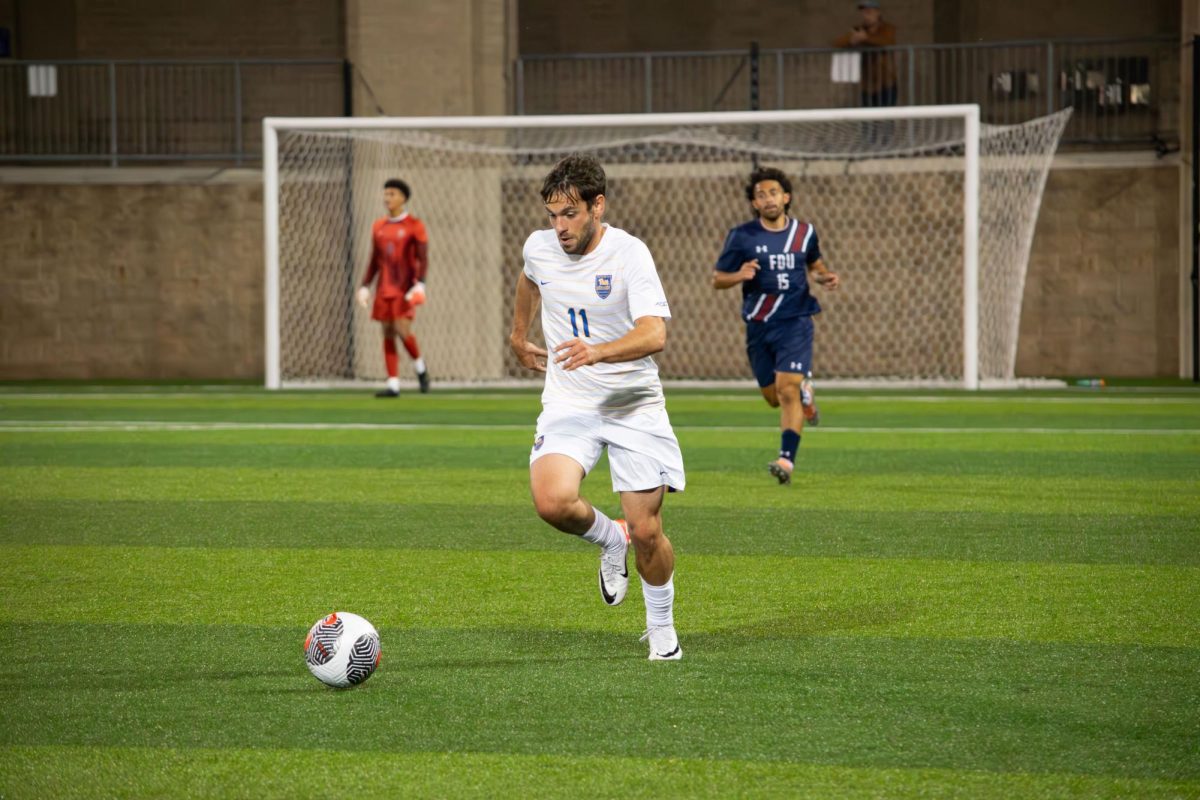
1122 90
115 112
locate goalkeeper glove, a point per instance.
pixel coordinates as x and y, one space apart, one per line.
364 296
416 295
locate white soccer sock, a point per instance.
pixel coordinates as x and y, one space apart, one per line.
393 384
604 532
660 603
419 365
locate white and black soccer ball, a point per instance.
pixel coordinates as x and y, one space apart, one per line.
342 649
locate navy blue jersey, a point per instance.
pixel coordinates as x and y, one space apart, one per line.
780 289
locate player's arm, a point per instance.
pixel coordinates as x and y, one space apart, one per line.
649 336
420 263
526 303
364 291
731 270
727 280
821 274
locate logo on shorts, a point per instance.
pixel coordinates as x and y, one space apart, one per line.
603 285
537 443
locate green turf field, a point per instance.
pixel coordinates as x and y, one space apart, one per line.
994 595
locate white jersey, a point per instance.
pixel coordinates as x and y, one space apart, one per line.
596 298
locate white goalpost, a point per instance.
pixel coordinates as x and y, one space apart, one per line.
927 215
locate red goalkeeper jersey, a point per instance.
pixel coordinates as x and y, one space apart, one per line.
399 254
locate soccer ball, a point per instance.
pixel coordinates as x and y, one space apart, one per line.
342 649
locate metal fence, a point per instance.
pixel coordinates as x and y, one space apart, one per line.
115 112
1122 90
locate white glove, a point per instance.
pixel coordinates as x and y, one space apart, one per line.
416 295
364 296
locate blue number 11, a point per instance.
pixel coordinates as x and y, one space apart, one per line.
582 319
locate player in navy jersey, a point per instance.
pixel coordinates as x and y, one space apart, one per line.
772 257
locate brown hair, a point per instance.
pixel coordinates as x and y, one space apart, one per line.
577 175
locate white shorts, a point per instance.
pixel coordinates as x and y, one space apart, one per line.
643 452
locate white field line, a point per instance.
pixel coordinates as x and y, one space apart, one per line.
1083 396
45 426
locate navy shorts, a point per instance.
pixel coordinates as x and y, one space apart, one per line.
782 346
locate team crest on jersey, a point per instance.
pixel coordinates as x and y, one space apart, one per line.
603 286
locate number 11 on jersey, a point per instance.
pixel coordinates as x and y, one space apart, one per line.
582 321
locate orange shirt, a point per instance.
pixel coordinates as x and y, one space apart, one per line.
399 254
878 68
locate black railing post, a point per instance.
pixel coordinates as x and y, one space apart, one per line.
1195 211
347 88
754 79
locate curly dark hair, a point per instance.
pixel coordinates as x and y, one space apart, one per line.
769 174
578 175
396 183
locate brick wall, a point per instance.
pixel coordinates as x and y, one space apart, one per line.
612 26
215 28
986 20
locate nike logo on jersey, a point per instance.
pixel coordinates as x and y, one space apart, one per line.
543 283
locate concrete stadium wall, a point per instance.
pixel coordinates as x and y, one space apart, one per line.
160 275
160 278
1102 294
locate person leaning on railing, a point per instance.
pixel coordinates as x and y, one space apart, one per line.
878 72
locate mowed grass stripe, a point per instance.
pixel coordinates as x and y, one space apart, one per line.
78 772
686 408
847 702
504 485
903 453
694 529
769 596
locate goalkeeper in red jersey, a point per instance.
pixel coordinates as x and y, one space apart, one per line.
399 257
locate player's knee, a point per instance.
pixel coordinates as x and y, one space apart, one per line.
554 507
645 532
788 393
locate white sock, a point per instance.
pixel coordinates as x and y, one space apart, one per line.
660 602
393 384
604 532
419 365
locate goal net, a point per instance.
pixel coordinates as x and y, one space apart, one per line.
926 215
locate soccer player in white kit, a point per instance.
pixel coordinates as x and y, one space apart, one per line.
604 315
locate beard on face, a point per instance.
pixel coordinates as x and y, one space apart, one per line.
771 215
584 239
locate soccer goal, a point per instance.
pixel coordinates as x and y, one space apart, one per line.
926 214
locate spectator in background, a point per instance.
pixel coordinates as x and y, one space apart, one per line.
878 79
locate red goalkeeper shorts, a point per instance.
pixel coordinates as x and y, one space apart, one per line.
387 309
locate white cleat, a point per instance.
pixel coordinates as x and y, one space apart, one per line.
614 574
664 644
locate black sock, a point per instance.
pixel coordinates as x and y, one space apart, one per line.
789 443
